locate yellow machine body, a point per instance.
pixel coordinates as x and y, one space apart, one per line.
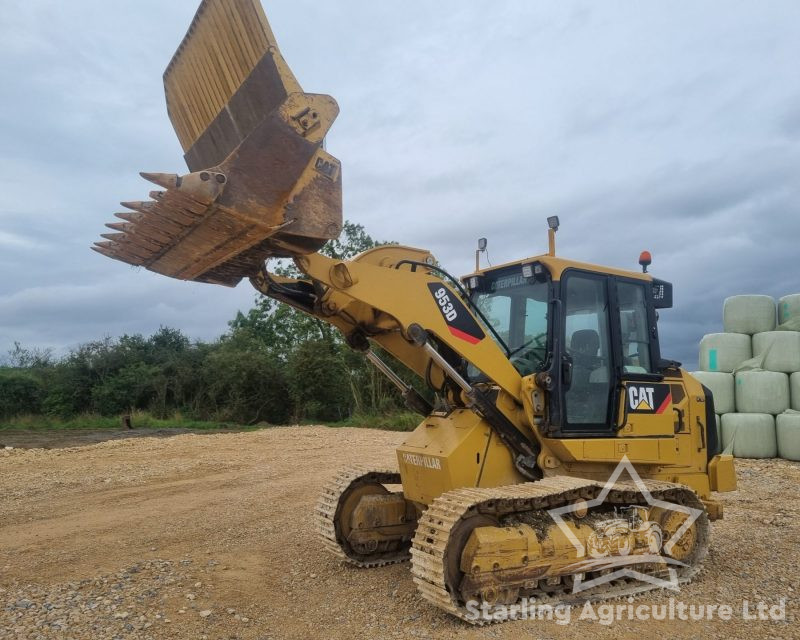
541 414
457 449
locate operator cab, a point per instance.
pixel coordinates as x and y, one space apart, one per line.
589 327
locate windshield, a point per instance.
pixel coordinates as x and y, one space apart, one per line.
516 307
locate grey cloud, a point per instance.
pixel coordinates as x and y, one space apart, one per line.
666 127
789 125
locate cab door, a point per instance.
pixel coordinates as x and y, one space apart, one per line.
610 384
588 354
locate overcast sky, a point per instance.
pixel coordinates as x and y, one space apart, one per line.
671 126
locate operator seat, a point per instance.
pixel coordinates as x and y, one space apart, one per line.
586 403
585 341
584 346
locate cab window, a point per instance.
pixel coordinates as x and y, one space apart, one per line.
516 307
634 327
588 344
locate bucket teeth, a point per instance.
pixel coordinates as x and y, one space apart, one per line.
108 253
166 180
157 195
161 225
147 241
119 226
132 252
129 216
135 244
139 205
126 253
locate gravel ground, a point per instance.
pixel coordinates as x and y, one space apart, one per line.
212 536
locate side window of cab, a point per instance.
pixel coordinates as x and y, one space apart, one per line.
634 327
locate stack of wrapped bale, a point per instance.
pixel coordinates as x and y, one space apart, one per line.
753 371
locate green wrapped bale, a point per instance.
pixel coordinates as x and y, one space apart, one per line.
724 351
749 314
751 434
780 350
762 392
721 386
789 309
794 386
787 430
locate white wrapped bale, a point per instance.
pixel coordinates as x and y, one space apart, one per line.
794 385
789 308
724 351
762 392
748 314
753 434
721 386
726 430
718 427
781 350
787 429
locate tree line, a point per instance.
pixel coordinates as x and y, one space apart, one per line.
274 365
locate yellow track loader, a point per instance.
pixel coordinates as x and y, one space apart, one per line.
563 458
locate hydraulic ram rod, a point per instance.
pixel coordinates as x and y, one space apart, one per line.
524 450
413 399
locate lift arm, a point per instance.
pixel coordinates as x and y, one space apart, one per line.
386 295
261 185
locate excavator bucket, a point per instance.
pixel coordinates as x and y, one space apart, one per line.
260 185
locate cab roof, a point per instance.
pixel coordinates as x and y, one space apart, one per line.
556 266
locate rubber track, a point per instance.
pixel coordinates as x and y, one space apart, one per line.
437 522
326 513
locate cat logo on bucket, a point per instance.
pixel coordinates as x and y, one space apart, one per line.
651 398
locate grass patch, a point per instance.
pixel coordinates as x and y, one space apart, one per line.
401 421
139 419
